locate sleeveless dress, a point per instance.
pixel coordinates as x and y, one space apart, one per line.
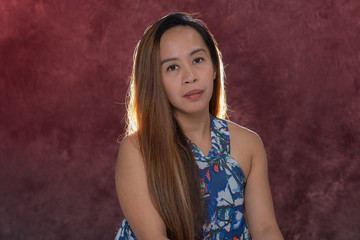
223 185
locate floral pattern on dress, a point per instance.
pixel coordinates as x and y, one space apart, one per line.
223 185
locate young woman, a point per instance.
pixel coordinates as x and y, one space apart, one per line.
182 169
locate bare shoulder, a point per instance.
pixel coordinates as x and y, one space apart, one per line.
130 141
245 137
129 164
248 150
129 146
245 146
129 158
133 192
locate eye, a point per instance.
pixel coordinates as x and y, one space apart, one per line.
172 68
198 60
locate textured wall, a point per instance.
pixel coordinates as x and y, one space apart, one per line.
293 77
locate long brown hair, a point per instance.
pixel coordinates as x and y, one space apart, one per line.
172 173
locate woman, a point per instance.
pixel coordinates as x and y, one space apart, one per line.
175 175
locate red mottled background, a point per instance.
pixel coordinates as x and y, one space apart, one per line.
293 76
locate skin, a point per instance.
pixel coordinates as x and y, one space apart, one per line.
186 65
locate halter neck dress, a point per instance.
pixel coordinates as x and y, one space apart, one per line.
223 186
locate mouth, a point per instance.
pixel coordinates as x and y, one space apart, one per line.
194 94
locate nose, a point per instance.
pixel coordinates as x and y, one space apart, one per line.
189 75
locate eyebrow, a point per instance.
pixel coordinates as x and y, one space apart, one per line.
173 59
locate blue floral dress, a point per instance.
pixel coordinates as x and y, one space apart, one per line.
223 184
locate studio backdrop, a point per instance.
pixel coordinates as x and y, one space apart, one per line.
292 76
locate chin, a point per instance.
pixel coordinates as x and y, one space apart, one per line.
193 111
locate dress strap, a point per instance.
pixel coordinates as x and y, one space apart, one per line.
220 137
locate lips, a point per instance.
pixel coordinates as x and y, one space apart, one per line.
194 94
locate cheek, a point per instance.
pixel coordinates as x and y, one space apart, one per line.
168 89
211 78
211 83
171 82
212 88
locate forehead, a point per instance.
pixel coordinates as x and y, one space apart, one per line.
180 39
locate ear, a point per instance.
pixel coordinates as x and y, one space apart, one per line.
214 75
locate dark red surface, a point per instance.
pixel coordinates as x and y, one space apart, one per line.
293 76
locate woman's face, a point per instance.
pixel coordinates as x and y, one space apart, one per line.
187 70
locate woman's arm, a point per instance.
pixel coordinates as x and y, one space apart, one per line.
134 195
258 201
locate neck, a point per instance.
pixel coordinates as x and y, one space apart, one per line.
196 127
